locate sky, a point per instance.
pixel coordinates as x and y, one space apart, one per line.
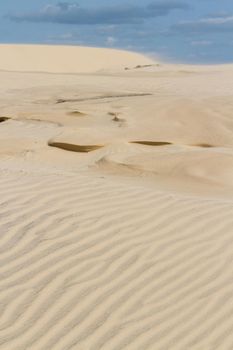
199 31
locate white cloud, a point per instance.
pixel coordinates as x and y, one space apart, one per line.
201 43
110 41
72 13
211 24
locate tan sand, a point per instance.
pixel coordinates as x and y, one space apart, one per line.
116 202
65 59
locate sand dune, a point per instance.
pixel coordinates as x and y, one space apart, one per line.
206 173
116 202
65 59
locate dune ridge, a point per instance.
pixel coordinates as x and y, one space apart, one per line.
65 59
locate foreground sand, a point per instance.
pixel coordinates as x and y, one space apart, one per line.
116 205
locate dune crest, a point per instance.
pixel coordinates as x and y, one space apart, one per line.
203 173
65 59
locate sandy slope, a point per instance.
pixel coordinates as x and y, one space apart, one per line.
116 207
65 59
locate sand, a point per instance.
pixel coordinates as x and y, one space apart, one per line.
116 201
65 59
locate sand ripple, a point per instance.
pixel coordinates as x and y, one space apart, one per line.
86 264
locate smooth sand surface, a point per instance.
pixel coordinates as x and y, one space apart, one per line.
116 202
65 59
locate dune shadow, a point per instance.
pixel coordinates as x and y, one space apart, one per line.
204 145
76 114
152 143
165 143
3 119
74 147
103 97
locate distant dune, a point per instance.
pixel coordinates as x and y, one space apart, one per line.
66 59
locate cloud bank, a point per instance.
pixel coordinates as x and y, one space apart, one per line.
206 25
73 13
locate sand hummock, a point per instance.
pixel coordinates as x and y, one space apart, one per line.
116 180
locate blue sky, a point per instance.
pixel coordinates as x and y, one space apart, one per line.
199 31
